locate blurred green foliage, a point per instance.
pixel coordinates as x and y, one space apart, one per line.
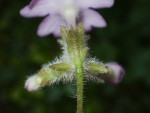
126 40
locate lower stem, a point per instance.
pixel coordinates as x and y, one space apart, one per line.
79 77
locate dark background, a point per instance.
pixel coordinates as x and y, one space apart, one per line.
126 40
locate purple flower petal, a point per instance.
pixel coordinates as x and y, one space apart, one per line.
36 8
117 75
33 83
51 24
95 3
33 3
92 18
80 9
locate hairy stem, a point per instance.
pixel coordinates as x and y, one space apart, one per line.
79 77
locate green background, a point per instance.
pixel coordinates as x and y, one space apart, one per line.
125 40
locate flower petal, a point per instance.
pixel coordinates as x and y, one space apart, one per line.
33 83
95 3
92 18
51 24
37 8
117 73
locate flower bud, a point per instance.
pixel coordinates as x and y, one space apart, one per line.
33 83
115 74
75 41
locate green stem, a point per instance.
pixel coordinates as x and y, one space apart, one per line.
79 77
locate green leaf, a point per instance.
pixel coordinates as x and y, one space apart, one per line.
61 66
96 69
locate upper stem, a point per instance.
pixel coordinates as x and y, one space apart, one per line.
74 41
79 77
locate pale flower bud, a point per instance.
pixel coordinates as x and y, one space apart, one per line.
33 83
116 73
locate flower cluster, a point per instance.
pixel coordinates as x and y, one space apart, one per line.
65 13
68 13
63 69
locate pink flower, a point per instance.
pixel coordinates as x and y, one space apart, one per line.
33 83
116 73
66 13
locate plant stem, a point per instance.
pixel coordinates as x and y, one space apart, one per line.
79 77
